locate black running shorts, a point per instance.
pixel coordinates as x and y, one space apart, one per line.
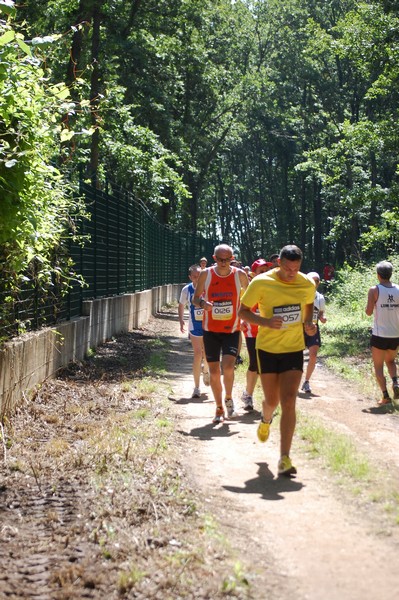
253 359
313 340
383 343
215 342
279 363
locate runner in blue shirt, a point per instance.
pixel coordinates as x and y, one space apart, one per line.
195 329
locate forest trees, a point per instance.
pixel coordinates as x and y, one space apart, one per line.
259 122
316 159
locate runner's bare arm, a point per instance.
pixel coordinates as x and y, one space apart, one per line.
243 280
322 318
181 316
309 326
199 290
371 300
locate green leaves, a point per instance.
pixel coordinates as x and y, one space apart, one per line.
255 121
7 37
37 205
7 7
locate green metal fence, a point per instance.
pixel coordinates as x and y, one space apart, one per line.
128 251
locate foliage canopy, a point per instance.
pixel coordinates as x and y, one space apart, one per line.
256 122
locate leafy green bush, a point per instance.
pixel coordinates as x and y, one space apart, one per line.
37 205
351 284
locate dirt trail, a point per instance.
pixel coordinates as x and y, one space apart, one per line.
306 535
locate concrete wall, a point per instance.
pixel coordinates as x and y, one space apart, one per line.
28 360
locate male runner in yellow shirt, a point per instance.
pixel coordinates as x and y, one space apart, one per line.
285 300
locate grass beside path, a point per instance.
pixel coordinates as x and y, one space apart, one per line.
345 348
354 472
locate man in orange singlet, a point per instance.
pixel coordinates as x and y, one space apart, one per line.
218 293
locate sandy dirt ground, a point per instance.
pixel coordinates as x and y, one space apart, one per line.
307 535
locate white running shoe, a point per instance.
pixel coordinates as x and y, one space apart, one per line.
231 413
306 387
196 393
219 416
206 378
247 401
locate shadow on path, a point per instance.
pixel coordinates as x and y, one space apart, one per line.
210 431
204 398
379 410
266 485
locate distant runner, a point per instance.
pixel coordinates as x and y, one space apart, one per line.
383 303
194 329
313 342
250 332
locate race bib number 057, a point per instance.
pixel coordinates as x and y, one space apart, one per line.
291 314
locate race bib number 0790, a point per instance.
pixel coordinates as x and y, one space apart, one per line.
198 314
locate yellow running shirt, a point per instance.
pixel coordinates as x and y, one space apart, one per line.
277 297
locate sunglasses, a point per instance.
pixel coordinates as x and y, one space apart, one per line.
224 260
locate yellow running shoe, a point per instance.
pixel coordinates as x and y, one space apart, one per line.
263 431
285 466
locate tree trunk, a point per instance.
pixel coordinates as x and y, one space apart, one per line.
95 89
318 225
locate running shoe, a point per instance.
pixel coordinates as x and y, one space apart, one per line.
248 401
219 416
231 413
263 431
384 400
196 393
306 387
206 378
285 466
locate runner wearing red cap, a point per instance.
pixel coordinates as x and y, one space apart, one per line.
250 332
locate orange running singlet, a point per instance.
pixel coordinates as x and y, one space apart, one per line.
224 293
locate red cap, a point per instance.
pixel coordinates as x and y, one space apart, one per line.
261 262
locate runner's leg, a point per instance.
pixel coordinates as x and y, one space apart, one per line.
213 346
271 394
288 383
378 361
216 383
390 356
196 342
228 363
203 360
313 350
